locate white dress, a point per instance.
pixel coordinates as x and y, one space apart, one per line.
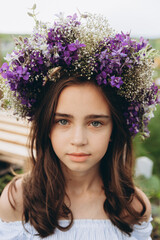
82 229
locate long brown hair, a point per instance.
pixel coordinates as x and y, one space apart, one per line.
44 187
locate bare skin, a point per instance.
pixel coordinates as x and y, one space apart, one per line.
86 197
7 213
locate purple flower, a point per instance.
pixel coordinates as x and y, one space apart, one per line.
116 81
99 79
62 53
9 75
21 59
104 74
4 69
73 19
142 43
22 73
116 57
132 116
72 47
75 46
29 66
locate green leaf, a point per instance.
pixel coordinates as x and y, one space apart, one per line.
30 14
34 7
20 38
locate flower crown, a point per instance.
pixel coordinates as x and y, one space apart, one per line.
86 46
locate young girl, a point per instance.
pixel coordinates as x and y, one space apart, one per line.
87 92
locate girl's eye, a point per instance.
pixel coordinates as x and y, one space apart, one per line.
96 124
62 122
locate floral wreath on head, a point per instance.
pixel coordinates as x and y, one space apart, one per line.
89 47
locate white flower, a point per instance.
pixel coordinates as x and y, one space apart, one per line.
149 111
8 57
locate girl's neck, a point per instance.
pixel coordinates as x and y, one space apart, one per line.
80 183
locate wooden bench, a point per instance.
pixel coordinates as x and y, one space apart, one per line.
13 140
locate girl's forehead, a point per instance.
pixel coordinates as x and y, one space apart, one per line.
86 98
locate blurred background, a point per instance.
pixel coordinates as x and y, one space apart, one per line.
140 18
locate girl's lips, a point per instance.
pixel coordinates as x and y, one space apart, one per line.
78 157
79 154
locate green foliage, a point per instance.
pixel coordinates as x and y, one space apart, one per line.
7 44
156 228
155 43
152 189
151 146
33 14
150 186
4 180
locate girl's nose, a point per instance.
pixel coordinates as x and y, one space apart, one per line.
79 136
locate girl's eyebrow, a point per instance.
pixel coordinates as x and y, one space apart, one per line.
87 117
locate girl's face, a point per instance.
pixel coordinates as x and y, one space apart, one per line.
82 127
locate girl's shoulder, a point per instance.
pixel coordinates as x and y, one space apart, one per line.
138 207
11 201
